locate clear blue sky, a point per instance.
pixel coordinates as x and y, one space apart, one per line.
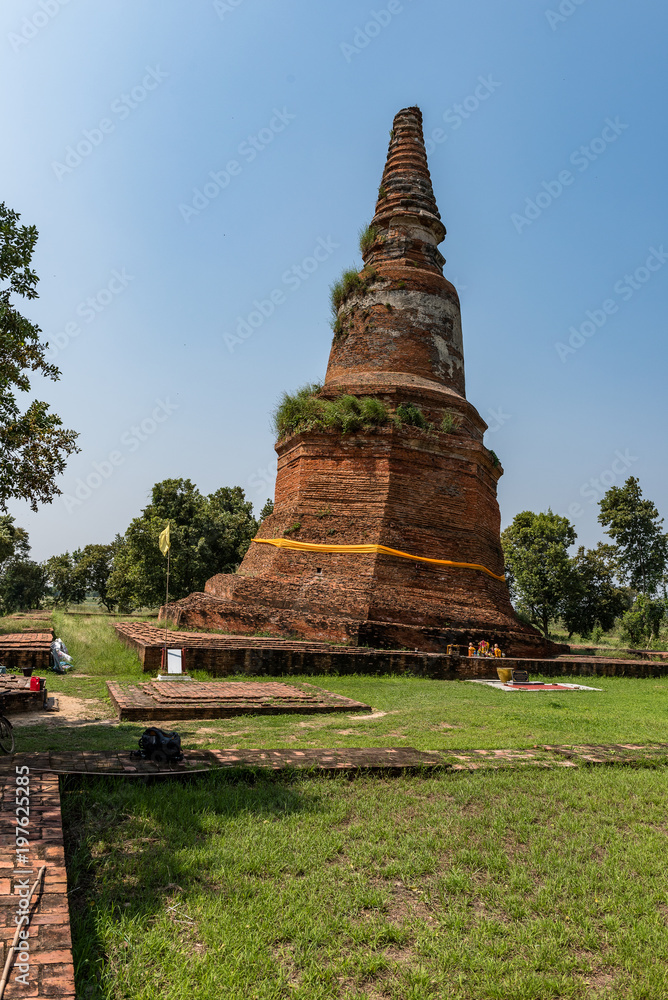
116 114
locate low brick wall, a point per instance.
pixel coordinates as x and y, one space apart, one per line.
26 649
51 972
16 696
225 655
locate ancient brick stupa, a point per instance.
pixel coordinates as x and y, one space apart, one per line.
385 530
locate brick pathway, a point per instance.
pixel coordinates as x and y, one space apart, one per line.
380 759
160 700
51 972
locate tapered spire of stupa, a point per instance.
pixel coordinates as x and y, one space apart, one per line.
399 319
405 196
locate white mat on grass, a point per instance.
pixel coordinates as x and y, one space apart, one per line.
535 686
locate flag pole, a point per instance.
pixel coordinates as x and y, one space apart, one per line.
164 543
164 663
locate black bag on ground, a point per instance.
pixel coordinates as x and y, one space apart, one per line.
159 746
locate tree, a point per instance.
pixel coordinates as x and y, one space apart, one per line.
635 526
209 535
65 579
13 540
34 446
94 567
22 586
267 509
22 581
592 597
540 573
643 621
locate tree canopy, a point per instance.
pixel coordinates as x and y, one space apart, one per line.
592 597
539 569
635 526
34 446
209 535
22 581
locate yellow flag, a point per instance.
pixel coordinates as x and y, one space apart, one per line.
163 541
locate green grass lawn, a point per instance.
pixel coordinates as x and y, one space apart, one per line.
504 885
421 713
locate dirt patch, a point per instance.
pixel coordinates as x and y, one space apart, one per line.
71 710
284 955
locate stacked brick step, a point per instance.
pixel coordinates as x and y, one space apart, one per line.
160 700
26 649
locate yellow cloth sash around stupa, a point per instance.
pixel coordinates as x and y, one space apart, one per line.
288 543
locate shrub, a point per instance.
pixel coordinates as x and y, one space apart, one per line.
409 413
450 422
368 237
342 288
496 461
632 628
374 411
343 413
306 410
295 411
643 622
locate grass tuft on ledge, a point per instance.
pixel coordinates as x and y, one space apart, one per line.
305 410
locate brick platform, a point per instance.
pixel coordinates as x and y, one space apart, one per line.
227 655
16 696
159 700
26 649
51 972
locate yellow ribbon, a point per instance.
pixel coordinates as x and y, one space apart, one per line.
288 543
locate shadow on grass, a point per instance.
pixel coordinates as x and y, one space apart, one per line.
168 830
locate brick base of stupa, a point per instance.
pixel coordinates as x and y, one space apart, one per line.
429 494
204 611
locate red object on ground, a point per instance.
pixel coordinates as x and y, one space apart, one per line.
542 687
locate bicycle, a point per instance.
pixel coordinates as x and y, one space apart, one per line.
7 741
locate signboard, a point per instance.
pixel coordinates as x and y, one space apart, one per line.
174 661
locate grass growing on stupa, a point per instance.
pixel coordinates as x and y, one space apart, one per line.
531 886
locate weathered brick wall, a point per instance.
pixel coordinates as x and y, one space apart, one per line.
226 655
26 649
